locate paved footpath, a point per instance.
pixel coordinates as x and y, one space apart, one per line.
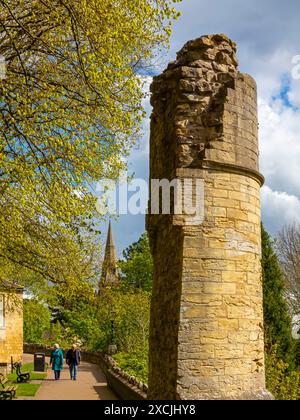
90 385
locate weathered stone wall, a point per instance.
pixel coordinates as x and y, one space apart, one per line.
11 336
206 335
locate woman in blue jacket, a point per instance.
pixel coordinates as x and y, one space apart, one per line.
57 361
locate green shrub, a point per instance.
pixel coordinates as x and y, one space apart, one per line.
281 382
135 364
277 321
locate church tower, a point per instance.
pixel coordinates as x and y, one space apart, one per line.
110 273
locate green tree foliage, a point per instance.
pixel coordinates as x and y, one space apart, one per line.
281 382
135 364
298 353
90 322
137 265
71 107
278 326
36 321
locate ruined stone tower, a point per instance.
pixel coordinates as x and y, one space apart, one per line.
206 334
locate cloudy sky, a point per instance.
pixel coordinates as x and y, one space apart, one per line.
268 36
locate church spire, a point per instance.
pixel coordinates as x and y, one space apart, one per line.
110 275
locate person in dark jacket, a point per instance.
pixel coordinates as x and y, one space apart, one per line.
73 361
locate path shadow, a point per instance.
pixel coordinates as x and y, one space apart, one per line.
94 370
105 393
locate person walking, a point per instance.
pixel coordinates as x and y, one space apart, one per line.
73 360
57 361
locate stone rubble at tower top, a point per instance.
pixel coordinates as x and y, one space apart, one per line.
197 87
218 50
210 57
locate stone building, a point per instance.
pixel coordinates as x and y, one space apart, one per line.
206 332
11 328
110 272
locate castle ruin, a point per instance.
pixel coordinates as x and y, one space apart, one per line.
206 333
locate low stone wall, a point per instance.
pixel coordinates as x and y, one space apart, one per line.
126 387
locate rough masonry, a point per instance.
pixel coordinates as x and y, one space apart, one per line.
206 333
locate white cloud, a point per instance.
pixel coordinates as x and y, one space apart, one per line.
269 70
279 209
280 146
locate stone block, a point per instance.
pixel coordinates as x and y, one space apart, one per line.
220 288
234 276
226 351
217 211
238 215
